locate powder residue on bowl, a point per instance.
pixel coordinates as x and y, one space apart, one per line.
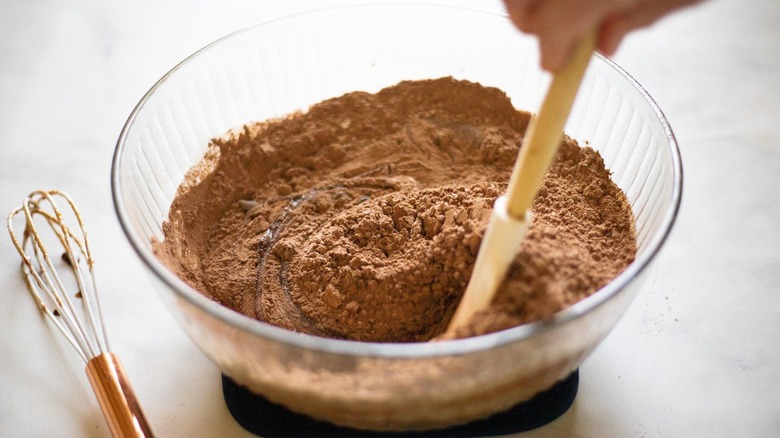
361 218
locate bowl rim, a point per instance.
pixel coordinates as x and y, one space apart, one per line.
379 349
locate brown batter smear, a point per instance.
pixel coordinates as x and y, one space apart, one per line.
361 218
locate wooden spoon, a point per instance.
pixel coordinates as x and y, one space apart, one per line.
511 216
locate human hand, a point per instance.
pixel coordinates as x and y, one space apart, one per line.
560 24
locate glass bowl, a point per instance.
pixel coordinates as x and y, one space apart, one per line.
286 65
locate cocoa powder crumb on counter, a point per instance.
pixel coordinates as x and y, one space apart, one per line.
361 218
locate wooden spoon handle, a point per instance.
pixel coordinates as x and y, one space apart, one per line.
545 132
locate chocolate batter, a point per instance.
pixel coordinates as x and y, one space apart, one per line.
361 218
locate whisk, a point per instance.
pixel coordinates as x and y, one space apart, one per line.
84 328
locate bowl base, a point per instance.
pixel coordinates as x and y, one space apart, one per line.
261 417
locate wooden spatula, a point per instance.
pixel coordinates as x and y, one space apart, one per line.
511 216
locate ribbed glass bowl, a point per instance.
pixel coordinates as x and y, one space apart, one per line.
290 63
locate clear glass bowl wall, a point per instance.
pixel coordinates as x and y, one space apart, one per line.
288 64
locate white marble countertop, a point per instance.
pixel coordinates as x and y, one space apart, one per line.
696 355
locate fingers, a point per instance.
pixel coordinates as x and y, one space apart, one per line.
615 27
519 12
560 24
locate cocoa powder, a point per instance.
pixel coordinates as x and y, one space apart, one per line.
361 218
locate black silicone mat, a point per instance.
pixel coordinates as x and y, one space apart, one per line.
266 419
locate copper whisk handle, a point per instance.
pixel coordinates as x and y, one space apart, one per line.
116 397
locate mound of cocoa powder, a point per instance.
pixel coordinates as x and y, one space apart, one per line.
361 218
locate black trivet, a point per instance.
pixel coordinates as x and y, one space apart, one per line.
270 420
